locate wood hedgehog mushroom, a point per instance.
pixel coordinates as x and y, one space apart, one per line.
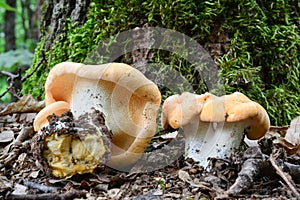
214 126
127 99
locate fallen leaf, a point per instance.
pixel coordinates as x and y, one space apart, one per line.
19 189
293 133
4 184
184 176
34 174
26 104
113 193
6 136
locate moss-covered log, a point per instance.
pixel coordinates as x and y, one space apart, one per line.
254 43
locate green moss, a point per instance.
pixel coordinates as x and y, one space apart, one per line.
262 59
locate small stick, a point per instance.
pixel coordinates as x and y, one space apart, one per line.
40 187
48 196
33 71
11 78
283 176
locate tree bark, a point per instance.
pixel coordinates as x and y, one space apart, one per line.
9 27
57 13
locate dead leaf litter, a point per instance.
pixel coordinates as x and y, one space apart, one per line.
260 172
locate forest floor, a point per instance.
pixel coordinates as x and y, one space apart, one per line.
255 173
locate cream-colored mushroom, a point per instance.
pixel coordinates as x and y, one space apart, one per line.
214 126
129 101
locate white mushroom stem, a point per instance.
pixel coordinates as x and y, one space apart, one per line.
212 140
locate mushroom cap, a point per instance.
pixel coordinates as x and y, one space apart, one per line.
61 80
178 110
58 108
128 99
231 108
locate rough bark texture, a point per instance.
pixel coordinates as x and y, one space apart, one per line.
9 27
57 13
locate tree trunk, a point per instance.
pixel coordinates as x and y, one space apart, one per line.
56 14
9 27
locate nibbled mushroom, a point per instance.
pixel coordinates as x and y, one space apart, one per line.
128 100
214 126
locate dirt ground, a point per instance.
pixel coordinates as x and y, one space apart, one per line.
263 172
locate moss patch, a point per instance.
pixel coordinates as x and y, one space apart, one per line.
261 59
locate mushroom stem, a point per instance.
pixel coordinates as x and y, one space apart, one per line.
214 126
204 140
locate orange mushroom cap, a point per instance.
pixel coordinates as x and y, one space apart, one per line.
236 107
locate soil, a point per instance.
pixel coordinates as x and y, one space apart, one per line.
263 172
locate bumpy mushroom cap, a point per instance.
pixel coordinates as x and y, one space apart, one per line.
179 110
129 101
219 125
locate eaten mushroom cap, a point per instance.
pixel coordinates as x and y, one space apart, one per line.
218 127
128 100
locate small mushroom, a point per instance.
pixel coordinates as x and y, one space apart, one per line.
214 126
128 100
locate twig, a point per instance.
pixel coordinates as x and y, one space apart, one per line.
72 194
11 78
283 176
40 187
11 82
8 74
33 71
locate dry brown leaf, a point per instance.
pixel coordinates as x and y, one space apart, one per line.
184 176
291 141
293 137
26 104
